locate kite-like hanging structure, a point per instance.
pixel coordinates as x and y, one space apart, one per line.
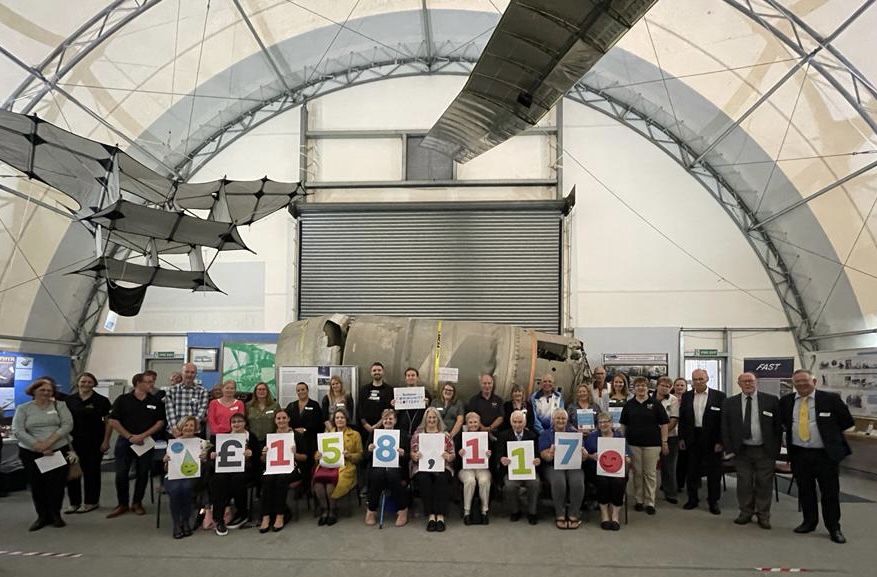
538 51
135 210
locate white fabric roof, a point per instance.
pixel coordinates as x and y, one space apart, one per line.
164 78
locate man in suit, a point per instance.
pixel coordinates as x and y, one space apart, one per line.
700 433
815 421
512 489
752 432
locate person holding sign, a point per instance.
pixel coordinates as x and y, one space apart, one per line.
281 472
236 464
515 463
389 470
335 398
450 408
431 476
517 402
644 423
610 490
583 405
545 401
409 419
180 491
42 427
555 455
330 484
475 452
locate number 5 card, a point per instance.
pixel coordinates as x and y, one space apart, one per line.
475 445
522 455
331 450
386 444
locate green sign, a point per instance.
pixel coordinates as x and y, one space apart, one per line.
249 363
164 355
706 352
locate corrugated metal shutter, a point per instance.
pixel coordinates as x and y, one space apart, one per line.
491 266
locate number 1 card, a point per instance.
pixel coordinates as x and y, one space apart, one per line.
522 454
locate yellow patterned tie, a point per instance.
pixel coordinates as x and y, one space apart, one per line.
804 419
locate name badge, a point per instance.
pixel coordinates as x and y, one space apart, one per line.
767 413
339 404
269 412
650 406
824 414
309 408
716 408
52 412
150 407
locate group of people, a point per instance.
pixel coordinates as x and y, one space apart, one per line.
684 433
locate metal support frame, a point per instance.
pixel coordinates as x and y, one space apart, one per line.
773 262
268 57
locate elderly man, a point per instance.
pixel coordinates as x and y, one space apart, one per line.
544 402
512 489
700 433
488 406
752 432
815 422
186 398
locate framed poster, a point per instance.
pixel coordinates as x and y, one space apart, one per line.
249 364
206 359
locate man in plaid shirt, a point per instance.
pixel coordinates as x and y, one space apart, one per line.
186 398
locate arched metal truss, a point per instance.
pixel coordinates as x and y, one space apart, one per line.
841 74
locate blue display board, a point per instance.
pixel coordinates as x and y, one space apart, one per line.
18 370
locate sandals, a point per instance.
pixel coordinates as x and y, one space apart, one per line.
574 523
562 524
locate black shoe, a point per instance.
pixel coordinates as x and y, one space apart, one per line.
805 528
650 510
221 529
38 524
187 530
57 521
639 507
672 500
514 517
532 519
322 520
178 532
264 530
277 529
715 509
606 525
616 526
467 520
431 526
236 522
743 519
689 505
485 519
331 520
837 537
440 526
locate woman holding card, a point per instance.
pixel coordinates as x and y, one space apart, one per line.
336 398
275 488
610 490
392 479
227 486
329 484
450 408
517 402
644 423
565 480
42 427
180 492
433 484
583 402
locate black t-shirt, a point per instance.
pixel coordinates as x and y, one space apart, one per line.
372 402
138 416
88 419
643 422
487 409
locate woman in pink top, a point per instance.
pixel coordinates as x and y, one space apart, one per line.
220 410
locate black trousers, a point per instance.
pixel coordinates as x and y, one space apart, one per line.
610 490
812 467
380 479
227 486
143 464
90 459
704 460
275 488
46 489
434 491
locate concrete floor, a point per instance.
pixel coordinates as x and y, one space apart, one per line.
674 542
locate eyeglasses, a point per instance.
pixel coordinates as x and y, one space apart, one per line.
604 422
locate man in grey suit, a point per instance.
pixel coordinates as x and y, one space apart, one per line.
752 432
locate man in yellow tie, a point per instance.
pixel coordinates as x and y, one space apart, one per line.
814 422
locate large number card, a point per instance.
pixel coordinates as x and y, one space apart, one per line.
185 459
230 449
475 447
280 457
567 451
331 447
386 452
522 455
432 448
610 456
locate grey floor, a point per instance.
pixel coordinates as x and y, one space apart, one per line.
674 542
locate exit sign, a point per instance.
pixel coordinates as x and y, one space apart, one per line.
706 352
164 355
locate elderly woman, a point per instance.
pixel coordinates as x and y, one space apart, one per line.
330 485
91 439
562 481
433 485
42 427
393 480
180 492
472 478
644 424
610 490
